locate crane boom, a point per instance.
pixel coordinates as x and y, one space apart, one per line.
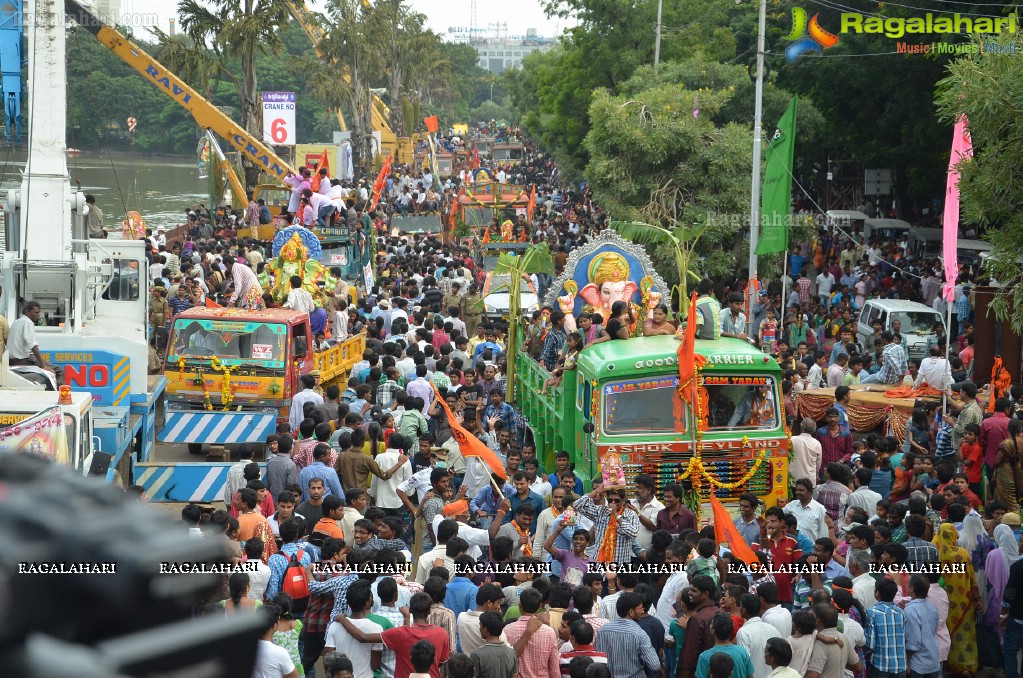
205 113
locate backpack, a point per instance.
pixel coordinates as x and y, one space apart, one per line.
294 583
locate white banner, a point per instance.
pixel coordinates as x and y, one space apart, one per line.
278 118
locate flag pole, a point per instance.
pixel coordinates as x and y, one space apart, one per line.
784 308
754 225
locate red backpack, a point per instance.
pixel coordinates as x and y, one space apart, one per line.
295 584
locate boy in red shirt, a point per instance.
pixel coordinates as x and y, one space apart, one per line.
972 455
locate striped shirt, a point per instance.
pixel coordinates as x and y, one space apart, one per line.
338 586
628 649
580 651
886 638
540 659
628 528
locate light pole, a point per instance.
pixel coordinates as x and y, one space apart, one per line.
754 223
657 40
491 92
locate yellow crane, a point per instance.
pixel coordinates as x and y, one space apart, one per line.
390 144
206 115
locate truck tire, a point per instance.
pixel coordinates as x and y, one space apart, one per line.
195 448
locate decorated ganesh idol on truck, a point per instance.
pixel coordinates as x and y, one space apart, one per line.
715 426
232 372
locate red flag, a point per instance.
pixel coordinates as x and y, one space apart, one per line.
468 444
432 124
726 532
378 185
688 358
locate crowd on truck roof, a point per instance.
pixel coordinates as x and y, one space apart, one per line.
893 557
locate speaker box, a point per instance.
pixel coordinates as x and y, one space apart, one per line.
100 464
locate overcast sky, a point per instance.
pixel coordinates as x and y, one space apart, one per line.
520 15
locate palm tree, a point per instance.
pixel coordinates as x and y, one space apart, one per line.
242 30
536 259
663 210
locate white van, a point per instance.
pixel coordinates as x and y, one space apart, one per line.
916 323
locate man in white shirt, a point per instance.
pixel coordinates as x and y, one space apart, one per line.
21 340
934 371
272 661
825 281
383 491
298 298
298 401
858 564
864 497
365 656
647 508
777 656
807 454
459 512
754 634
677 581
811 516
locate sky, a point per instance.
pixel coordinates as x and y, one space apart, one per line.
519 15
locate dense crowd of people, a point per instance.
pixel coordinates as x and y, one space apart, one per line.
893 556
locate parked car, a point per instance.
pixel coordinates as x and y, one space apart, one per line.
497 303
916 323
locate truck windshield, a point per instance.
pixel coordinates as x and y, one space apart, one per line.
741 402
916 322
232 341
647 405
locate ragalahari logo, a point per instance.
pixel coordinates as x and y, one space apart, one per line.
807 36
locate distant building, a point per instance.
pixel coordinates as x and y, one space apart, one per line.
109 10
498 55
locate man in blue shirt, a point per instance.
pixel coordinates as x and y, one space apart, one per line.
921 631
524 496
886 633
320 470
796 261
742 665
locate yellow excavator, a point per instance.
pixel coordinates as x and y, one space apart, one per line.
401 148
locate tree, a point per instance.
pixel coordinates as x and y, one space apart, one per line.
684 176
987 89
238 29
352 46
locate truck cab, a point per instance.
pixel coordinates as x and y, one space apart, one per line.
18 406
622 399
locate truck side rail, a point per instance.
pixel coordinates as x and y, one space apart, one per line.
336 362
550 416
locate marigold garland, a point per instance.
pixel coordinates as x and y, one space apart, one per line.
227 390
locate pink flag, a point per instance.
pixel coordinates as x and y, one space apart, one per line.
962 148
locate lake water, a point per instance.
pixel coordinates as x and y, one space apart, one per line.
161 189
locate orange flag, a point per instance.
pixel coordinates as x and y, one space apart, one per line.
212 304
726 532
322 164
468 444
486 235
432 124
378 185
688 358
531 207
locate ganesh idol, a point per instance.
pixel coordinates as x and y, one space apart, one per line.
609 282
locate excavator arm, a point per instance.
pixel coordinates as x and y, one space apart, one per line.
205 113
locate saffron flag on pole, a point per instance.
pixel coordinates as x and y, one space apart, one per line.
531 207
726 532
468 444
432 124
688 358
776 198
962 148
378 185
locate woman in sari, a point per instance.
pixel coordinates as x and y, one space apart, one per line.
961 586
997 572
1008 479
975 541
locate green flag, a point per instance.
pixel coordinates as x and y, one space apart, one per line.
776 197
